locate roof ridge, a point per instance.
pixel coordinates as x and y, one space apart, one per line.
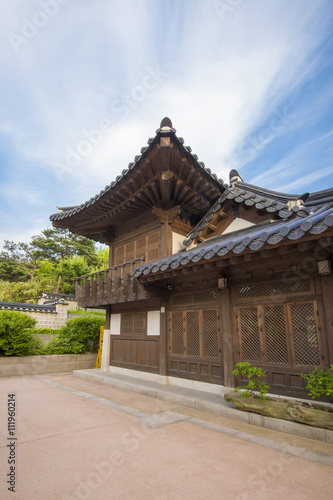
162 131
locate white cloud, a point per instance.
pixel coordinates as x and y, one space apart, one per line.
224 77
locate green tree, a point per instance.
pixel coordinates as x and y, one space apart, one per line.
60 244
26 291
68 269
102 260
26 256
11 271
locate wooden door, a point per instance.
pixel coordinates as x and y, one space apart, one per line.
194 337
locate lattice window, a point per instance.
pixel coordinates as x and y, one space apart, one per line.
177 340
289 334
195 333
210 333
140 248
182 299
305 334
148 247
254 290
281 287
194 298
275 332
127 323
153 245
130 254
192 333
250 334
205 296
139 322
133 323
292 286
119 255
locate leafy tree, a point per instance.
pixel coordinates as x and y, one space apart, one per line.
26 291
60 244
26 256
103 260
51 262
11 271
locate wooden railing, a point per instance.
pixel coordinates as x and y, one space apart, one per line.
110 286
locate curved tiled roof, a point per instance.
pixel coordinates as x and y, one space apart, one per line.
272 202
252 238
319 198
17 306
53 296
55 301
162 131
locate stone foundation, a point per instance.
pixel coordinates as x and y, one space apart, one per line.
37 365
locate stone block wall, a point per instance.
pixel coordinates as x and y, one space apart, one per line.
54 320
36 365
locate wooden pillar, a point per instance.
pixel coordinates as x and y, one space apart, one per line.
166 239
108 318
327 288
163 355
227 340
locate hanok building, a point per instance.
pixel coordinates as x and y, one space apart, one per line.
204 274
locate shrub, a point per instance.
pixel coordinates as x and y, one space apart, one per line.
319 382
16 337
77 336
44 331
254 386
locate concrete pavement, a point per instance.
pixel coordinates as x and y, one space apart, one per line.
81 440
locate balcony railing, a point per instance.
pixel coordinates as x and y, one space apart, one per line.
110 286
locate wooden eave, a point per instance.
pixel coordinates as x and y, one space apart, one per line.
166 175
269 253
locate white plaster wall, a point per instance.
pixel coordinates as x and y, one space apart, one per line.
115 324
153 323
177 242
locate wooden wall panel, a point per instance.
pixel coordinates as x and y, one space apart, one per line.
135 353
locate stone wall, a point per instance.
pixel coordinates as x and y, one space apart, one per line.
72 304
37 365
50 320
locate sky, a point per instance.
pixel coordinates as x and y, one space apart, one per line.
248 84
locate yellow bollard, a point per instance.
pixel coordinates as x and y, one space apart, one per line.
99 354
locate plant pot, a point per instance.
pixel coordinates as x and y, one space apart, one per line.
294 411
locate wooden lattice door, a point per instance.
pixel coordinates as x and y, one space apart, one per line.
283 334
194 337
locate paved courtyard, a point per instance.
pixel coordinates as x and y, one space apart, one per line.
80 440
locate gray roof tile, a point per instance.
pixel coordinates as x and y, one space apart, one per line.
252 238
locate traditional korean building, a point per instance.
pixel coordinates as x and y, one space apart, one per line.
204 274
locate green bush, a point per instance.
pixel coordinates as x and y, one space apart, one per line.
16 337
319 382
255 386
78 336
44 331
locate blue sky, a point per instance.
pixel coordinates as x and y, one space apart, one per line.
247 83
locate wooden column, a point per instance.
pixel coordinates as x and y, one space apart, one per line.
227 339
327 288
166 239
166 217
163 361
